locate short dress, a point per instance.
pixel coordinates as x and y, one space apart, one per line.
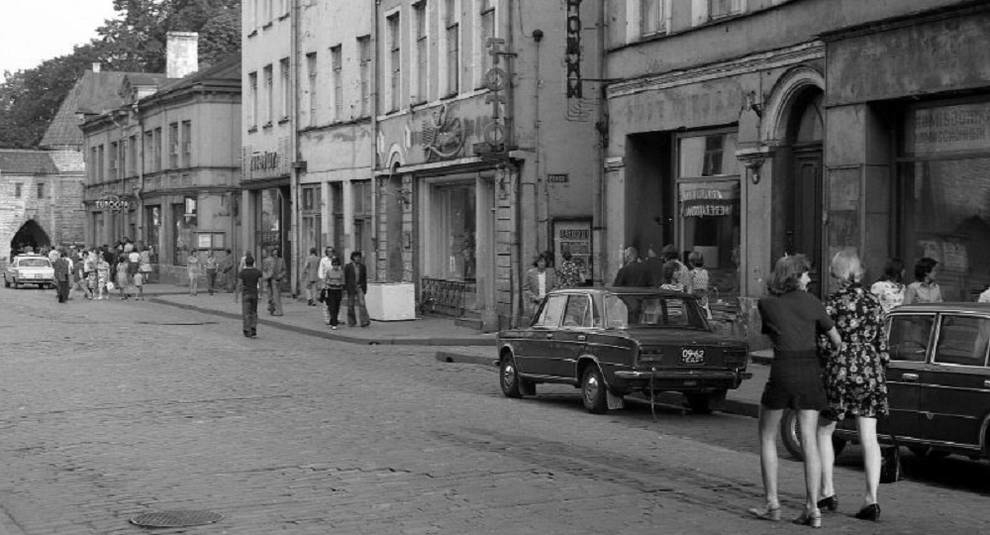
855 379
793 321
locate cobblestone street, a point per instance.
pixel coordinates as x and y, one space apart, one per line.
112 409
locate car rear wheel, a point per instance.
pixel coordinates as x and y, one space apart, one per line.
509 378
703 403
593 391
790 435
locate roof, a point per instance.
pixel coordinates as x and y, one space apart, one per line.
27 162
93 93
226 70
947 307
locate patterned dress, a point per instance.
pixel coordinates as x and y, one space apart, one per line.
855 383
569 274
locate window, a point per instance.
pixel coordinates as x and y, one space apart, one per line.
311 79
19 186
364 52
113 162
337 214
651 17
395 62
908 335
268 11
269 94
184 218
578 312
132 154
157 142
173 145
453 54
724 8
963 340
286 86
186 143
487 32
452 250
551 312
362 195
252 119
100 169
337 66
311 220
210 240
41 190
422 52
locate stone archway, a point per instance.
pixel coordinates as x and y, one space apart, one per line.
29 235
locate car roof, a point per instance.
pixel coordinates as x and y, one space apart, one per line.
624 290
931 308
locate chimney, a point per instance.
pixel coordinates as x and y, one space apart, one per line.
181 54
96 66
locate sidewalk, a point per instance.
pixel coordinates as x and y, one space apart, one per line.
460 344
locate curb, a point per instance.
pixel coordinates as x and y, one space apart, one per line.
729 406
397 341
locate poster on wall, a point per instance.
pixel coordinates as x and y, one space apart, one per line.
574 235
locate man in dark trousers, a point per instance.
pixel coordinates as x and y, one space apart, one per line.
356 286
62 277
633 272
247 282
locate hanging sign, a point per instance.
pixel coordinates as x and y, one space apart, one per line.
113 203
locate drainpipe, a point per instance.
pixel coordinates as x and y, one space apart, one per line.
294 148
373 109
598 223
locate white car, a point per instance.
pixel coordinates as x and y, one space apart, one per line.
29 269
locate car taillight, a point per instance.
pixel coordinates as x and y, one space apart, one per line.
735 358
648 355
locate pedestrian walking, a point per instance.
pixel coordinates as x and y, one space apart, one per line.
356 286
311 277
193 272
890 288
633 272
333 292
123 281
924 289
102 277
210 264
273 271
144 264
247 284
63 274
855 384
793 319
89 267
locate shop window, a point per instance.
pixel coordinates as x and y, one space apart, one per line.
943 195
708 194
311 219
337 213
362 196
184 215
152 225
451 253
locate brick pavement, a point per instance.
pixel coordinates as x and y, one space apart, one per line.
114 409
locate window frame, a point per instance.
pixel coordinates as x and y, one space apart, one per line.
337 75
452 48
935 348
420 41
932 331
392 24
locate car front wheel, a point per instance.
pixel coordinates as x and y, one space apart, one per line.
593 391
509 378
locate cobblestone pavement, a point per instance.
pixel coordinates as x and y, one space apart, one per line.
112 409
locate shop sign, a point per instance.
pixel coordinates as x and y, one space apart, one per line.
709 199
965 127
558 178
572 52
574 236
113 203
496 80
443 135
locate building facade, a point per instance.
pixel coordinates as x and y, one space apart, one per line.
163 169
747 129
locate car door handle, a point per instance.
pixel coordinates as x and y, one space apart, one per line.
582 338
909 376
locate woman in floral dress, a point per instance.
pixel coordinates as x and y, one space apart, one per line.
855 384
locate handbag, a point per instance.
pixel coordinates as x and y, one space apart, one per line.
110 286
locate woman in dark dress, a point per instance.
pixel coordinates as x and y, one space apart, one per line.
793 319
855 384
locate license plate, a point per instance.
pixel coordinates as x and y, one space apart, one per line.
692 355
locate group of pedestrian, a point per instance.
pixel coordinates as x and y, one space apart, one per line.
666 272
829 361
334 285
97 272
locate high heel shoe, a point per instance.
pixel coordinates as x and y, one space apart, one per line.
869 512
767 513
810 518
830 503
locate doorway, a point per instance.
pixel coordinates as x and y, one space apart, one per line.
30 235
804 229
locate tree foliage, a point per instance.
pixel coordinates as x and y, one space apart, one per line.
133 41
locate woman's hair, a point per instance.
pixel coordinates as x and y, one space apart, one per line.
669 271
786 272
566 254
539 257
696 259
334 261
923 267
893 271
846 266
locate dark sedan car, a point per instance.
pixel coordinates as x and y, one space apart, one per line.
938 383
612 342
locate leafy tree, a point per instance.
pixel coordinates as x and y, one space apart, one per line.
134 41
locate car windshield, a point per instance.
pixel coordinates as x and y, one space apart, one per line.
653 310
33 262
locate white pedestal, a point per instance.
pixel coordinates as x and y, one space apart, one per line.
391 301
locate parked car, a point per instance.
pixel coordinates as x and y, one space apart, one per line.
29 269
938 383
612 342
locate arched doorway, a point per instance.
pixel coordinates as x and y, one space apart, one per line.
803 222
29 235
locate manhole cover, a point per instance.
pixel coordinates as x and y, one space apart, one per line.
175 519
